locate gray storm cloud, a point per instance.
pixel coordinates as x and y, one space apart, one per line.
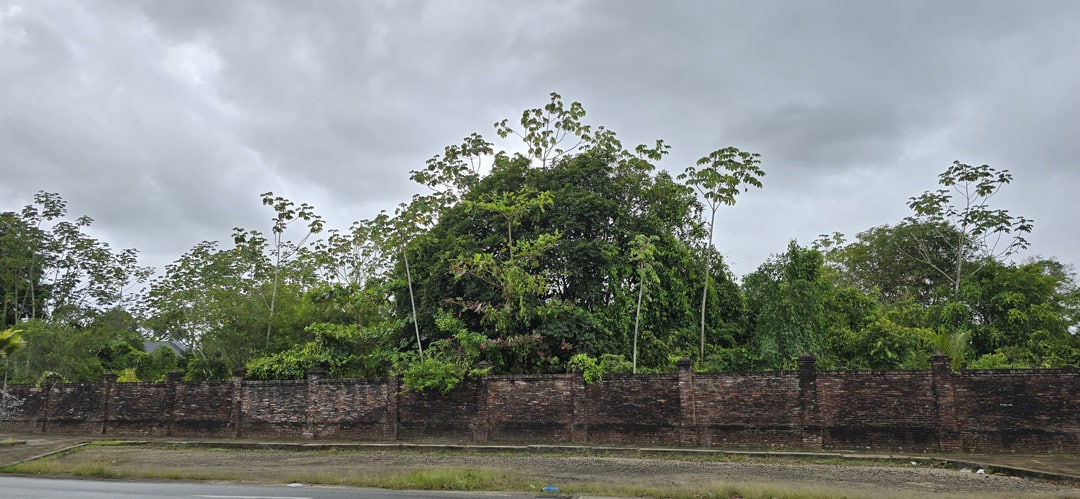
165 120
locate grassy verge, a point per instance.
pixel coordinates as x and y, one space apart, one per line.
457 479
110 461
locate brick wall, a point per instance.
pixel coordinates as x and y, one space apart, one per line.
748 409
643 410
531 408
916 411
895 410
1002 411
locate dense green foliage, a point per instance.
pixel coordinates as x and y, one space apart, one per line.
572 257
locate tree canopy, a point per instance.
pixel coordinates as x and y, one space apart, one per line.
577 254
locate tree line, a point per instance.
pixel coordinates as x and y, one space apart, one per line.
578 254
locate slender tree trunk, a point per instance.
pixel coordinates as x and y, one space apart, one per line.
273 300
705 288
3 311
637 322
510 239
33 298
273 289
959 261
412 302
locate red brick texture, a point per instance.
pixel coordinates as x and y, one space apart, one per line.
1030 411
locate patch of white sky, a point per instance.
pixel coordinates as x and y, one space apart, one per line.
11 34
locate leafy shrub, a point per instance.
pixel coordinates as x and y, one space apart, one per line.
433 374
593 369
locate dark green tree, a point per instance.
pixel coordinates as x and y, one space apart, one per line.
890 261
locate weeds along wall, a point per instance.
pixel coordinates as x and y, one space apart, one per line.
916 411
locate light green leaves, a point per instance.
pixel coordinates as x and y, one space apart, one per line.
723 174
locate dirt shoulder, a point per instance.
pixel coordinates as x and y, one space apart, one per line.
276 464
20 447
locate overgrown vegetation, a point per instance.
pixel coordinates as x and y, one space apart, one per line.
576 255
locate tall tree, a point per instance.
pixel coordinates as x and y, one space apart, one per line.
981 234
1027 311
409 221
890 261
286 213
22 291
786 300
355 264
600 202
52 268
555 131
720 177
643 254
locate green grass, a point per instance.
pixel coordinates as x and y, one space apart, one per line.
97 468
101 468
718 490
470 479
456 479
463 479
116 465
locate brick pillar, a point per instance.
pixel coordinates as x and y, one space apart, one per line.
312 415
108 389
236 393
172 379
689 431
390 428
944 386
809 412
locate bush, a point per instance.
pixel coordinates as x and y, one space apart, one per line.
593 370
433 374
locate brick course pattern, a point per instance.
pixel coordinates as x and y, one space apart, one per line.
1029 411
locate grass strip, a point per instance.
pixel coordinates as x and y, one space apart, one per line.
444 478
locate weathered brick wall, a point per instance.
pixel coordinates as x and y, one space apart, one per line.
138 408
432 416
748 409
354 409
531 408
201 409
1003 411
642 409
878 409
915 411
74 408
274 409
24 406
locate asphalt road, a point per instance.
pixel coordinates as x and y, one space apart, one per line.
49 488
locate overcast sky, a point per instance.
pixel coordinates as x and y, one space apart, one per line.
165 120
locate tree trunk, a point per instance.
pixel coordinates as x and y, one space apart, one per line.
637 321
412 302
705 288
